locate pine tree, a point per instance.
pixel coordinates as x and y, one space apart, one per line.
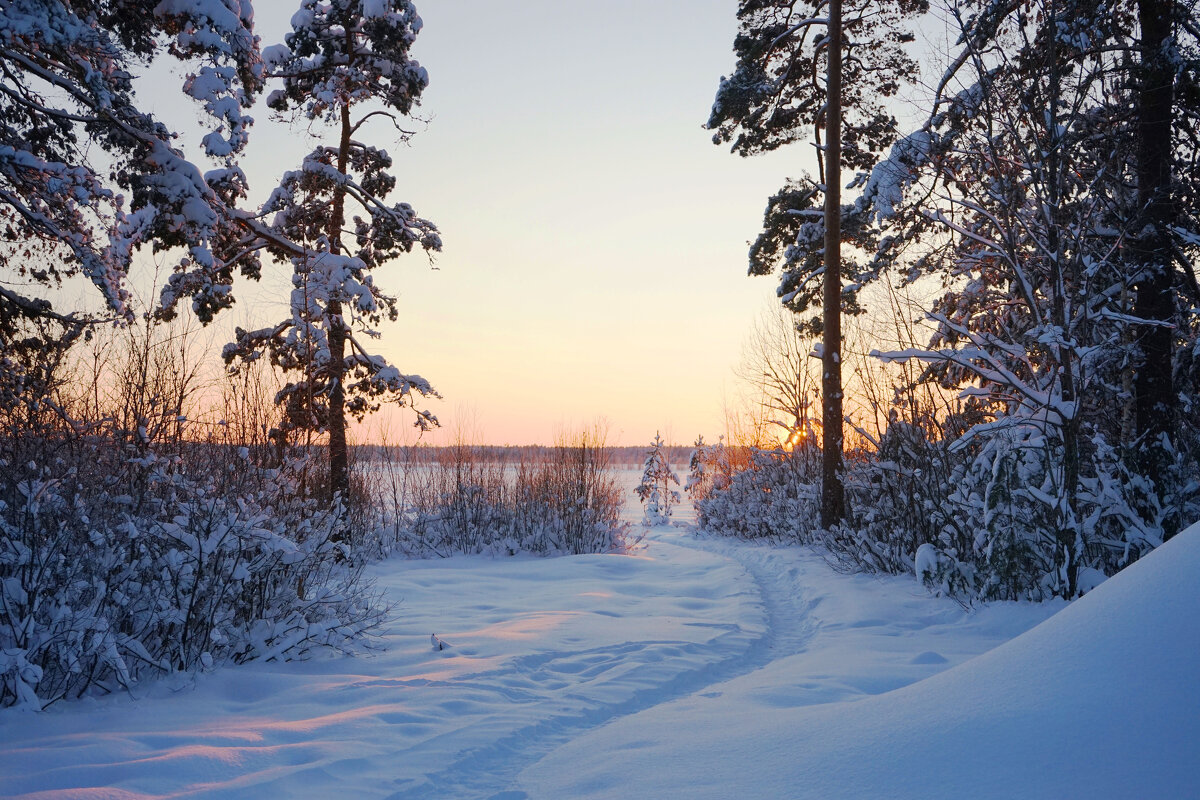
777 94
655 490
699 479
345 63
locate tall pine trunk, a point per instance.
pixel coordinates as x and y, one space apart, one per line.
339 458
833 496
1155 402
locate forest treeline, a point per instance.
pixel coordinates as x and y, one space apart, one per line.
617 456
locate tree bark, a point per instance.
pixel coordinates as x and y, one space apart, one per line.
833 502
339 457
1155 401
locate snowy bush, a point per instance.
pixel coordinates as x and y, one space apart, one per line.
111 571
982 517
775 496
973 517
135 542
709 471
566 502
897 496
1007 513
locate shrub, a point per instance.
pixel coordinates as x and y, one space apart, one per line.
774 496
100 585
469 501
132 543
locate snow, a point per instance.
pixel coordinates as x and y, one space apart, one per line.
1099 701
885 187
695 667
375 8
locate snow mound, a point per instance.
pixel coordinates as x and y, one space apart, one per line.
1099 701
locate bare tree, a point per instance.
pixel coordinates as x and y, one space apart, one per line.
777 365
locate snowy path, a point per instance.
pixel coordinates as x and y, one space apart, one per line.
782 629
779 579
543 652
590 687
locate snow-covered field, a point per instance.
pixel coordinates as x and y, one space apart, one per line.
692 668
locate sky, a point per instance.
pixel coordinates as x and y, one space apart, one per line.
594 262
595 239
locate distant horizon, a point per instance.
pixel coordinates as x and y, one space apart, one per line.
488 446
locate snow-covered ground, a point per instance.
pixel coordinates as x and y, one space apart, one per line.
693 668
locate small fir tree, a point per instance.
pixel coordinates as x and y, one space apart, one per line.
708 470
655 490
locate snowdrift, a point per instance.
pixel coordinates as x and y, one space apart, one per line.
1100 701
